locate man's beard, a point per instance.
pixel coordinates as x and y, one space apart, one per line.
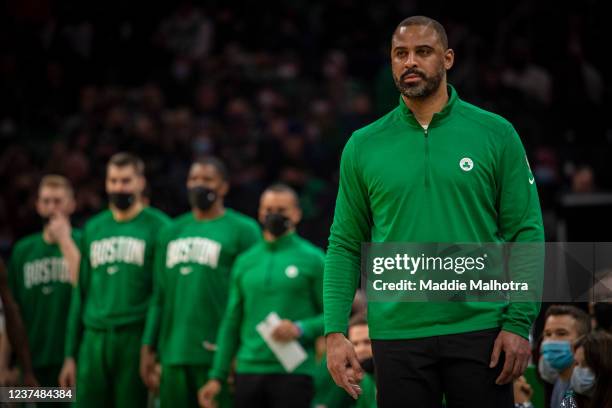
421 89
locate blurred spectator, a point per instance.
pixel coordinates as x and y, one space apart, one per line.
602 316
563 326
583 180
591 382
187 33
525 76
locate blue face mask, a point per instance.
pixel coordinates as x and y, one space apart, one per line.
558 354
582 380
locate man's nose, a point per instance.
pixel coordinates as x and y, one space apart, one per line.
124 187
410 60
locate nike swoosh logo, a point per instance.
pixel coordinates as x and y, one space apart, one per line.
185 270
46 290
111 270
531 180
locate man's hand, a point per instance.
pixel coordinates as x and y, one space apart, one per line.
207 394
9 376
517 353
522 390
156 376
59 228
343 365
60 232
148 370
286 331
67 377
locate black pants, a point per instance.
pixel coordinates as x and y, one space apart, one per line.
273 391
416 373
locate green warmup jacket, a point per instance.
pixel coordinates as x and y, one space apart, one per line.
192 274
463 179
284 276
40 282
116 275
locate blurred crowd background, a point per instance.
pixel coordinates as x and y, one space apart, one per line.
275 90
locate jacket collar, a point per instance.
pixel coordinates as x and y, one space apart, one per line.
283 241
438 118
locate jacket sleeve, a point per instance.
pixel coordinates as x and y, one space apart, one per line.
351 227
312 327
251 234
74 327
150 335
520 223
228 339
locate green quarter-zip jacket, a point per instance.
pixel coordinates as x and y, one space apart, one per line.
116 274
284 276
39 279
464 179
192 275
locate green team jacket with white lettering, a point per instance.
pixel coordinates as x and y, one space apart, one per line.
464 179
284 276
191 284
116 275
40 282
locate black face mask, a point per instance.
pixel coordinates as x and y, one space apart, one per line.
277 224
122 201
201 198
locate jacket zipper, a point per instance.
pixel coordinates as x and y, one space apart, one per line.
426 133
268 273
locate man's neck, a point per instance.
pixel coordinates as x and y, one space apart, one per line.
128 214
423 109
269 237
217 210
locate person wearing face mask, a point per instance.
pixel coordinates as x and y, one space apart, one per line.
281 274
591 381
109 304
192 274
563 325
42 268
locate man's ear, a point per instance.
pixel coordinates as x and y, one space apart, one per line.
224 189
37 204
143 184
296 216
70 207
449 59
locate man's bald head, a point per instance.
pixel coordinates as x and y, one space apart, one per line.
425 22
